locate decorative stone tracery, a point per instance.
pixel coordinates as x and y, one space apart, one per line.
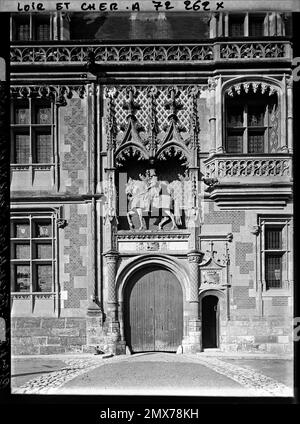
152 120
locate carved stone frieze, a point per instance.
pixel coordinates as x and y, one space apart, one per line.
56 93
127 235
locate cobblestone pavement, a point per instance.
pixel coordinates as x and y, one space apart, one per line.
71 377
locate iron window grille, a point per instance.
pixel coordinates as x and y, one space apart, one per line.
276 259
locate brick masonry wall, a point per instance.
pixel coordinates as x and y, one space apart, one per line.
74 146
246 331
41 336
235 218
74 276
241 250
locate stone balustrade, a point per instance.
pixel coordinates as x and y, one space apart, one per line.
60 53
249 166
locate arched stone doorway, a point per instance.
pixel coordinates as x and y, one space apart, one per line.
210 321
153 310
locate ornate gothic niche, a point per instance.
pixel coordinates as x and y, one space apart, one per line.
212 273
171 192
252 106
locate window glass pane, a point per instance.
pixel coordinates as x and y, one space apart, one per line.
43 229
273 238
21 114
43 148
43 115
22 31
22 148
42 31
256 116
256 142
22 282
256 26
234 143
22 251
236 27
21 230
44 251
44 278
235 117
273 271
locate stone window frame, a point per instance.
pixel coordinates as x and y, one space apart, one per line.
32 20
285 222
246 20
33 241
274 24
246 129
32 128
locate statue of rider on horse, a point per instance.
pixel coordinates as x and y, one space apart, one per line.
146 194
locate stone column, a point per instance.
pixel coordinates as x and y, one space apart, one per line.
113 326
219 99
289 90
212 82
193 343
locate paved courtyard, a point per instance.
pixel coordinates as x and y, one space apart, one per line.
153 374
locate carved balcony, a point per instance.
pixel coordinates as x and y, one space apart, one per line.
252 179
62 53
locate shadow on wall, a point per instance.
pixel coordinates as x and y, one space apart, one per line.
138 26
2 69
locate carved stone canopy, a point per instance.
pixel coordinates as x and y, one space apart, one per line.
152 120
259 87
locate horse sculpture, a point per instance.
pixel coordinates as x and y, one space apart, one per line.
145 193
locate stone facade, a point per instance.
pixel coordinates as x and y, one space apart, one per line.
108 132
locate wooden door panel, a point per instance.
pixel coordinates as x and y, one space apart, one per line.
155 321
141 309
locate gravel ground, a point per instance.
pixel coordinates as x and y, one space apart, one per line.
278 369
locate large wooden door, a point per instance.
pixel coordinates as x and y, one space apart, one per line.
154 311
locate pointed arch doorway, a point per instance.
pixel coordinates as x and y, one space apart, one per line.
153 311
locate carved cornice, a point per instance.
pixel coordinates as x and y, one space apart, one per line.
56 93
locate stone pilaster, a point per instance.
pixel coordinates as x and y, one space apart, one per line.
256 231
193 342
